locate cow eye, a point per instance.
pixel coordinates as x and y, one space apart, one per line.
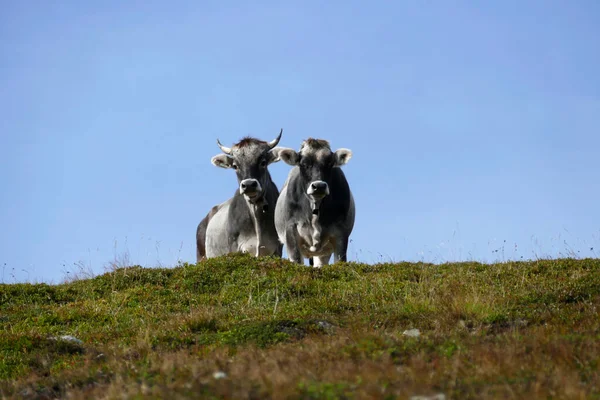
263 163
234 166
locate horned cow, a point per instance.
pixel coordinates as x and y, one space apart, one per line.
245 222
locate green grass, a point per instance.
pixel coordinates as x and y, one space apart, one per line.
278 330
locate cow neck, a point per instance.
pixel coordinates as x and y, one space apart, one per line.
315 206
258 209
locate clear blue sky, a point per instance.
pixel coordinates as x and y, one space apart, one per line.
471 123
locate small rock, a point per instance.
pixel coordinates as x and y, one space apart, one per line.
70 338
325 326
145 389
291 329
412 333
521 323
439 396
67 338
219 375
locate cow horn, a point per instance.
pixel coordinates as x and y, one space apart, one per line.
226 150
274 142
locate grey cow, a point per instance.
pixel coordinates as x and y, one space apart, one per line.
245 222
315 212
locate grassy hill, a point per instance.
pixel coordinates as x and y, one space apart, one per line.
238 327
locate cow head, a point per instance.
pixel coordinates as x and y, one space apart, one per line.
316 162
249 158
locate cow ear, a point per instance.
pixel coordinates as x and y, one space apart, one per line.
273 155
289 156
342 156
222 161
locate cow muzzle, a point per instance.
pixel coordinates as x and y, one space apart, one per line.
250 188
318 189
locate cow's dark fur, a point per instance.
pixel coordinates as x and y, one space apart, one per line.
333 215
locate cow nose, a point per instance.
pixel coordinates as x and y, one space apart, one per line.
318 185
318 188
249 186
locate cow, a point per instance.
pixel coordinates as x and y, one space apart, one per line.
314 215
245 222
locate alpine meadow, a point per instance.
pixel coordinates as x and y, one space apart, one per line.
265 328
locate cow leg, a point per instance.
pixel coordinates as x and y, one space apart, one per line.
279 251
311 261
341 249
321 260
291 245
200 240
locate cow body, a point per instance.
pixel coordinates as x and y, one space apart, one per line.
233 228
315 211
245 222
